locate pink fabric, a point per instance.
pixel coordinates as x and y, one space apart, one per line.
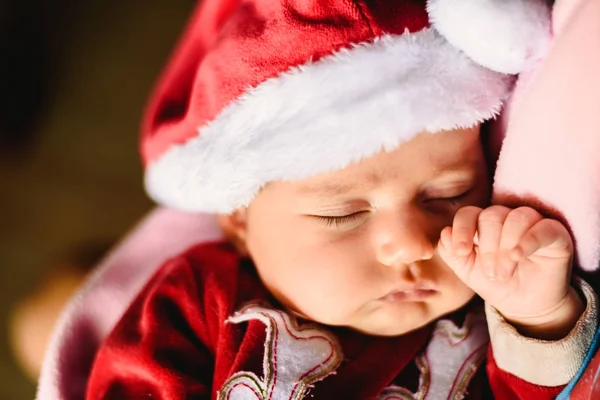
99 304
551 153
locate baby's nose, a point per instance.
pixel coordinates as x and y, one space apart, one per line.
403 241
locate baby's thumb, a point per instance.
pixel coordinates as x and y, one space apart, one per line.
461 265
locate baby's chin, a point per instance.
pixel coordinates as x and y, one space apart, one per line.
393 329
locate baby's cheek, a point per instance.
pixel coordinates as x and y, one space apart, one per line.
325 294
455 295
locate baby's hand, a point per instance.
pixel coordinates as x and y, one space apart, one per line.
518 262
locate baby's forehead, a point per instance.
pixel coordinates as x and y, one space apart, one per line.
443 160
433 153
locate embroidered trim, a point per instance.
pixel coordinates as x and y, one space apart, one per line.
449 362
295 357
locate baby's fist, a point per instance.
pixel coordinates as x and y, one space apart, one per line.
515 259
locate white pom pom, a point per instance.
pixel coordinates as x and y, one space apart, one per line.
507 36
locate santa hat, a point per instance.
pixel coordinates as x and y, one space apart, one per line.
286 89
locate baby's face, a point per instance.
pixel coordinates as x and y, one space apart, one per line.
357 247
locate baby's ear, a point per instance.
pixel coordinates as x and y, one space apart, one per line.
235 227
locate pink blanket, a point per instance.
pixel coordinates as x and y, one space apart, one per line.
551 152
99 304
549 141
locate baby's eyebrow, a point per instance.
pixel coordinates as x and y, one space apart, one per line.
328 189
338 189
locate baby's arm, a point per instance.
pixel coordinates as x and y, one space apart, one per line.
543 366
541 326
161 348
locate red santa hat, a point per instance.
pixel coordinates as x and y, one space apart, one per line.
268 90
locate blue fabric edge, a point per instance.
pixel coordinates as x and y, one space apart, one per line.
566 393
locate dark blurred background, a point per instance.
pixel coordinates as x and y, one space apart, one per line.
74 76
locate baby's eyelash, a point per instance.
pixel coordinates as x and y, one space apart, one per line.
339 221
454 200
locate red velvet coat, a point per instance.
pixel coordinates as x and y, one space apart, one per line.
205 328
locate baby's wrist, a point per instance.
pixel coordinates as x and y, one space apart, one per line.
553 325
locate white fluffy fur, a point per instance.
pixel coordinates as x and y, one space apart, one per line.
324 115
508 36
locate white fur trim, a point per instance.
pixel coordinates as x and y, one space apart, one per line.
508 36
322 116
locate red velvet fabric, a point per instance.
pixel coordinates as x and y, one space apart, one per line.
230 46
173 342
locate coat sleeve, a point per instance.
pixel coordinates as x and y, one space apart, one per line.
519 367
162 348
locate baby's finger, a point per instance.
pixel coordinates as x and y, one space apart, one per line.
446 237
445 244
489 230
464 228
517 223
462 265
547 233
